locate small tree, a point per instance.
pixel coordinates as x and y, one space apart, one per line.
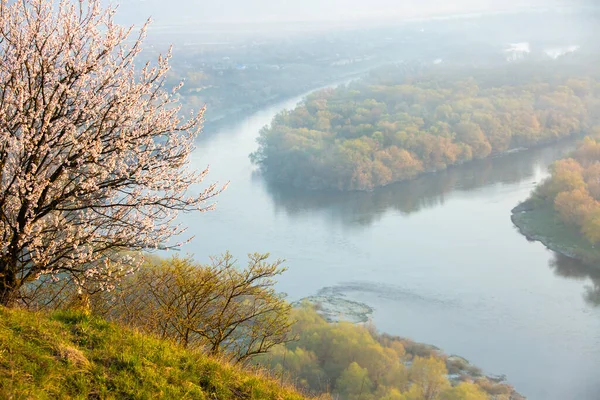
354 383
218 307
92 152
429 377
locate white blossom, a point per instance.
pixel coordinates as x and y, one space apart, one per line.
93 153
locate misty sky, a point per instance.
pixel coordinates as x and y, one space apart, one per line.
190 11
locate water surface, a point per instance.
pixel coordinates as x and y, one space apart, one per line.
438 259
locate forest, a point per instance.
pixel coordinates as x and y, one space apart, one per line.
402 121
574 189
355 362
565 208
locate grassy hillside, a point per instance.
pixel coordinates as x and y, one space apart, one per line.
72 355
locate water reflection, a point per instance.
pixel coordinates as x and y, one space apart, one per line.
567 267
364 208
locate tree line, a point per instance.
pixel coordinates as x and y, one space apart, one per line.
354 362
573 190
394 125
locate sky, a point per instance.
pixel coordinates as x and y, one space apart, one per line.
197 11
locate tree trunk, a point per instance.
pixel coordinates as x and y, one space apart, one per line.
8 288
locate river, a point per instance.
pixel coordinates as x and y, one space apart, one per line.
437 258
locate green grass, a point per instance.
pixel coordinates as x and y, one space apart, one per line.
71 355
541 223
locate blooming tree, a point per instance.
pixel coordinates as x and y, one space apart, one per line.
92 150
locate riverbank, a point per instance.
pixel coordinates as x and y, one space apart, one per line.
334 309
539 222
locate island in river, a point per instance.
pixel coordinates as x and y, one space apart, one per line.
564 211
400 122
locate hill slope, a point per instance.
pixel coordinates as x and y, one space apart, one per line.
71 355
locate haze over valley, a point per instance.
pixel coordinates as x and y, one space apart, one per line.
333 199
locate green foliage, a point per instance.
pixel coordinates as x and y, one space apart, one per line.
464 391
591 226
389 128
354 383
429 377
572 194
71 355
356 363
221 308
